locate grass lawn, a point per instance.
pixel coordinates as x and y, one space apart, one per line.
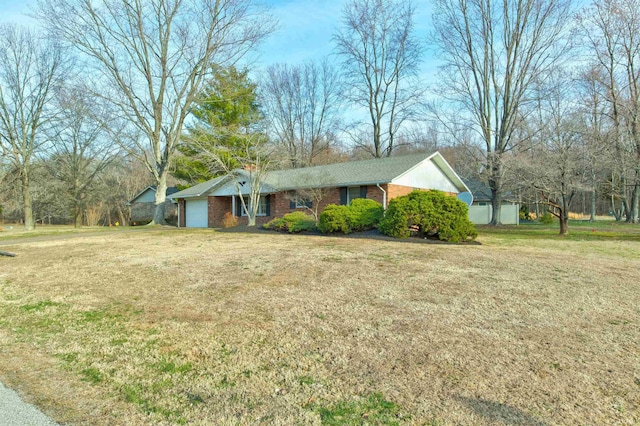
201 327
14 231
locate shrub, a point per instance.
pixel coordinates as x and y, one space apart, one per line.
361 215
364 214
434 213
293 223
546 219
335 219
229 220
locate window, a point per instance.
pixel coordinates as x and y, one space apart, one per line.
302 203
353 192
262 206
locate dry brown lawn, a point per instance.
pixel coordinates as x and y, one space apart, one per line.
202 327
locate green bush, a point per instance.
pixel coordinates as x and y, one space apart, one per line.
434 213
335 219
364 214
293 223
361 215
547 219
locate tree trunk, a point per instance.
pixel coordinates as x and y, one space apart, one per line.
633 210
26 195
77 217
592 218
161 195
614 210
626 210
564 223
123 219
495 184
563 217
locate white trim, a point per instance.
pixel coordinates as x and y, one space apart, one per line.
243 213
438 160
139 194
384 196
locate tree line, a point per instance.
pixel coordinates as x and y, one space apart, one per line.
538 99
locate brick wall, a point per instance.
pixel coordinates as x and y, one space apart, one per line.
218 206
280 204
394 191
331 196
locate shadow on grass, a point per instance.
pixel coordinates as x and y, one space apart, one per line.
578 231
496 412
372 234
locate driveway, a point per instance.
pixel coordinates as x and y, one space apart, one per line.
15 412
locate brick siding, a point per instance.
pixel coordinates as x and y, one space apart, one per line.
280 204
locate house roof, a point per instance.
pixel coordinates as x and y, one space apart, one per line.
199 189
379 170
354 173
170 190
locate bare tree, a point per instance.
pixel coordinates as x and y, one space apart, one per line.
246 161
311 198
151 59
380 56
494 53
612 31
555 167
81 149
302 104
597 133
30 69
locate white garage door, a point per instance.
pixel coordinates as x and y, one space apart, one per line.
196 213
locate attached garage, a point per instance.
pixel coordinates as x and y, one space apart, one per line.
196 213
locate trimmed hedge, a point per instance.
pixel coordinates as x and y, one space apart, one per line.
434 213
292 223
361 215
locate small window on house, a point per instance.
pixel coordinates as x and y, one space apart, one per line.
353 192
482 204
262 206
302 203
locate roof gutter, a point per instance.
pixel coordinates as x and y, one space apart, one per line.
384 196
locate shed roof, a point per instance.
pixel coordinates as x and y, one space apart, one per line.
170 190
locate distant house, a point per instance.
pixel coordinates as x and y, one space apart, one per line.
205 205
143 205
480 211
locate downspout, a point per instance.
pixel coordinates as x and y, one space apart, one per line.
384 196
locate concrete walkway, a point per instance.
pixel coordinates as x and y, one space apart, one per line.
15 412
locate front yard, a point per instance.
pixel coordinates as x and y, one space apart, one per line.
201 327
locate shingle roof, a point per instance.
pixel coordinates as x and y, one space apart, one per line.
170 190
379 170
354 173
199 189
480 191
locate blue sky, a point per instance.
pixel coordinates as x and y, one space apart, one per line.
304 32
